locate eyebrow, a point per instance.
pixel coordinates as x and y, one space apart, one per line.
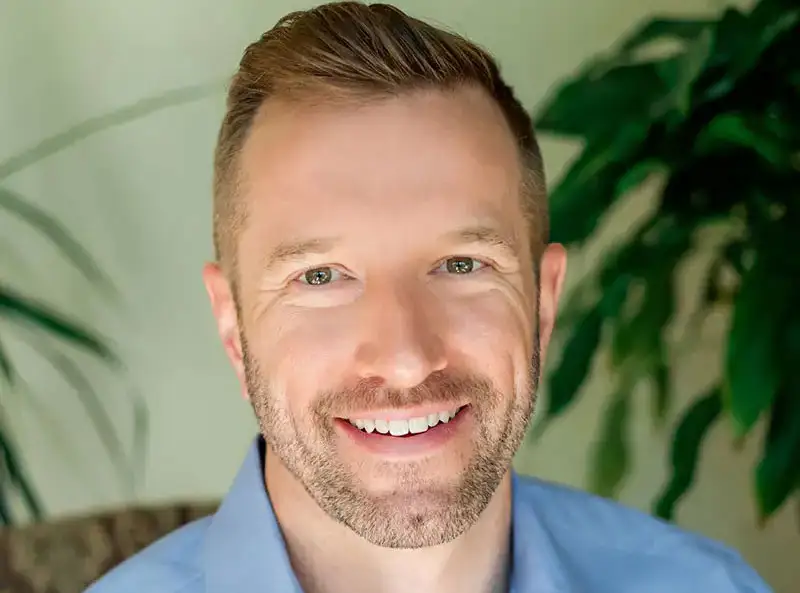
291 251
486 235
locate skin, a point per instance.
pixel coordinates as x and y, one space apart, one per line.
410 212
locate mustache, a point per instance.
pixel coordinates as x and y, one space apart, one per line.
440 387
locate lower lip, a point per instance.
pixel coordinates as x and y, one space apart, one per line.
409 445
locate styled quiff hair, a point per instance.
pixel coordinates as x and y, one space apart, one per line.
350 52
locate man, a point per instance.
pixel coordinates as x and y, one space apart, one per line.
385 292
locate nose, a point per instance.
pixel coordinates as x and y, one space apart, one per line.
402 341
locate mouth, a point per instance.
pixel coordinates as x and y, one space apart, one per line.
394 436
405 427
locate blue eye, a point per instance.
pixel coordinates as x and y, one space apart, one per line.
461 265
320 276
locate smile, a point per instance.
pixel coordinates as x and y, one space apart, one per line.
398 436
403 427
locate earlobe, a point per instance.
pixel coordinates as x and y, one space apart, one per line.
223 306
552 270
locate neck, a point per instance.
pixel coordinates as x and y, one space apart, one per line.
329 558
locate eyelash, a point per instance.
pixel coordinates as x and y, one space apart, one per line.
481 265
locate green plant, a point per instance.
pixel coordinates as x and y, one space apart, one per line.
716 117
48 324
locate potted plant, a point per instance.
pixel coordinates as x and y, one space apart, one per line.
717 121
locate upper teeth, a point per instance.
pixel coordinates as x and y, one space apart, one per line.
399 428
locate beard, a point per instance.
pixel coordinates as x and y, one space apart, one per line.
419 509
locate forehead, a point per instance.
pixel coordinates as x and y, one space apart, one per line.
424 162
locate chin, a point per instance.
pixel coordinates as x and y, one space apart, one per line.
422 480
412 520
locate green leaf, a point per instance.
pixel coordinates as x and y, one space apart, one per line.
752 373
770 20
576 303
685 450
650 258
638 346
18 478
680 74
740 42
140 428
778 471
5 509
640 335
661 388
777 475
596 106
6 367
576 361
55 232
593 182
713 292
28 311
736 129
733 35
565 381
659 28
5 485
127 114
615 294
610 459
637 175
652 251
94 407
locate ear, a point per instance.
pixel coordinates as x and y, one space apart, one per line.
552 269
223 305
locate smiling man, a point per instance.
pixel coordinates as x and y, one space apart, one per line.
385 291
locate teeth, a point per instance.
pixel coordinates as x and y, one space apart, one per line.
417 425
400 428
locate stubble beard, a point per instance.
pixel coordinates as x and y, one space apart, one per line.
415 513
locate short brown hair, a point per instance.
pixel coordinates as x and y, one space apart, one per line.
349 51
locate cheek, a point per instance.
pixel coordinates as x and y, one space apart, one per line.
493 334
305 352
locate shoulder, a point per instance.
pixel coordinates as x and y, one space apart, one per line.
172 564
597 536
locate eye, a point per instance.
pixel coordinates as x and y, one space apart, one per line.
319 276
461 265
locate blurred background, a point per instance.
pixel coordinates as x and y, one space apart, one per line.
671 148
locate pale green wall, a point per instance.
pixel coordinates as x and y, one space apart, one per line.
138 196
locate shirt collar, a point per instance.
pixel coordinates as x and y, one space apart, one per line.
244 549
536 564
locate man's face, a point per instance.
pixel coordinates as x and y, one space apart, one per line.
389 326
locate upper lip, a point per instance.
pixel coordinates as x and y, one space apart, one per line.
402 413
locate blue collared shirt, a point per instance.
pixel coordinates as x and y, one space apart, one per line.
563 541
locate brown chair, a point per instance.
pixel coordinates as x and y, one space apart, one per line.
66 555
